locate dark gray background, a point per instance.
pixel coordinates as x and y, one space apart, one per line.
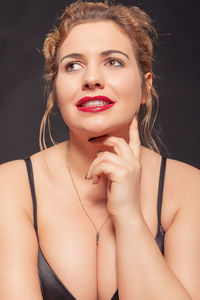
23 26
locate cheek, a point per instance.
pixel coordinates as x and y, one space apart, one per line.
128 88
64 90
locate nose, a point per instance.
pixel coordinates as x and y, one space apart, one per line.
93 79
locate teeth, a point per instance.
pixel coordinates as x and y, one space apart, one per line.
95 103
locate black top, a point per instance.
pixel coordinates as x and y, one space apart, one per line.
51 286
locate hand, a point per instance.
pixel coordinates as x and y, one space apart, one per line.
123 171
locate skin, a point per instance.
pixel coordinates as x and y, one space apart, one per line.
122 181
120 80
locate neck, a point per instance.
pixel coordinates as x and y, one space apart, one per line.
80 156
82 152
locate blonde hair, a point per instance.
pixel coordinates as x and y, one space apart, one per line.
136 24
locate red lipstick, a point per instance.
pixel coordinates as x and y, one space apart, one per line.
96 108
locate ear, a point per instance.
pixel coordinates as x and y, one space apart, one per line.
147 86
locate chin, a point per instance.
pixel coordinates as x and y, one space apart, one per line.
97 129
116 130
98 133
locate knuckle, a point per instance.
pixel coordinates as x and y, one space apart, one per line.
123 172
105 154
121 140
103 165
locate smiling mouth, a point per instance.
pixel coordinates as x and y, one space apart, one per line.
94 103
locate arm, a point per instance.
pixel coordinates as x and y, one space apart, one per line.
142 271
18 243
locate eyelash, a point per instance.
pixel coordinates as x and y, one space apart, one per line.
107 60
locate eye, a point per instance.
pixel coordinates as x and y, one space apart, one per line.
72 66
115 62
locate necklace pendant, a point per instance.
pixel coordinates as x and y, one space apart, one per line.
97 238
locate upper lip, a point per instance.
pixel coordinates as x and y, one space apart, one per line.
99 97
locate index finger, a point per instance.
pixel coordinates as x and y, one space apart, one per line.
134 137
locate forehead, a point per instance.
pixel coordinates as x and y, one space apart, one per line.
96 37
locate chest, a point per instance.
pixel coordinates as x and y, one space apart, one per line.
68 242
69 247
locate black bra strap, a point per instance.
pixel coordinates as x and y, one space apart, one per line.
31 181
160 189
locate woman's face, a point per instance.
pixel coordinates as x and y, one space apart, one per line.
97 59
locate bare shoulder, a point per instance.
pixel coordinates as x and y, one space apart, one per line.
14 177
182 181
14 185
181 199
181 186
182 242
15 195
150 160
17 235
10 169
48 161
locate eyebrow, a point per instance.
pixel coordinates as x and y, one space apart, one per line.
103 54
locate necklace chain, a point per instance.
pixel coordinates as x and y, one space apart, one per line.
97 231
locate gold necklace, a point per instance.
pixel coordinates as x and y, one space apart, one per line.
97 231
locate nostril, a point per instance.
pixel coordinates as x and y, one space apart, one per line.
92 84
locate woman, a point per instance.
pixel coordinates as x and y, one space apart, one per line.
100 216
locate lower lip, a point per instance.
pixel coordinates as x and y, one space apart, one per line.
94 109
